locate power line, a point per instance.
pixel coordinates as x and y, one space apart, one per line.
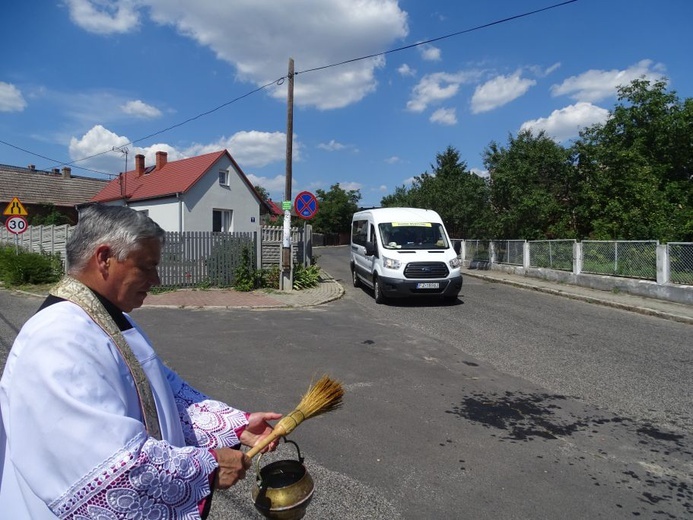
53 160
170 127
465 31
280 80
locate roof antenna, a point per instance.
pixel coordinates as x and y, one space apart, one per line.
122 179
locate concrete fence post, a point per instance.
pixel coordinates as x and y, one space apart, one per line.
577 258
663 271
526 261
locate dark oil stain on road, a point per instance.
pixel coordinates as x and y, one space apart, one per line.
531 416
522 416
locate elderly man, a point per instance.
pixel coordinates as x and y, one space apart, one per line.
93 424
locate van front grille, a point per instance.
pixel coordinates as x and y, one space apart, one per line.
426 270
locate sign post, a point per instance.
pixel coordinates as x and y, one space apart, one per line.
306 207
16 223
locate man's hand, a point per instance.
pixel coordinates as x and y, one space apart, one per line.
257 428
232 466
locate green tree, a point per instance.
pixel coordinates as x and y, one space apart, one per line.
335 209
531 188
262 193
457 195
48 215
636 168
399 199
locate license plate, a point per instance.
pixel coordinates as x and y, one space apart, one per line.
428 285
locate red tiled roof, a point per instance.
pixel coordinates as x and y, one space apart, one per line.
174 177
274 208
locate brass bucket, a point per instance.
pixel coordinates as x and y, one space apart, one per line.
283 489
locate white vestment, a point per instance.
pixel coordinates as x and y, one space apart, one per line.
72 440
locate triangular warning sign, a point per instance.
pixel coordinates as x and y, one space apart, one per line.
15 208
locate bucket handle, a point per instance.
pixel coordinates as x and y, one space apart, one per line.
257 461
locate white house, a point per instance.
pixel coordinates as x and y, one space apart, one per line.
205 193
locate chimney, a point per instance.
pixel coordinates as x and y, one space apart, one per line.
161 159
56 170
139 164
32 167
67 172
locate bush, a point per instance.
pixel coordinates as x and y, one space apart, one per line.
306 277
270 278
246 277
23 267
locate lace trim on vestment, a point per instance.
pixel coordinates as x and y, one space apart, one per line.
149 479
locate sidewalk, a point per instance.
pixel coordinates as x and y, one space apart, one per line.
329 289
649 306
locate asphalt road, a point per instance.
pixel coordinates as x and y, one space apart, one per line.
509 405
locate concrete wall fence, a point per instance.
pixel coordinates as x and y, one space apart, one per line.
187 257
639 267
643 268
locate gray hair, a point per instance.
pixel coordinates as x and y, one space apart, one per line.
120 227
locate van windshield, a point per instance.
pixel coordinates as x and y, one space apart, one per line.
412 235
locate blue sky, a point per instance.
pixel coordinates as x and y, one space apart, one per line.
81 77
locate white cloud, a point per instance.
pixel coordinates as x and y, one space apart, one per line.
500 91
257 37
140 109
332 146
104 17
429 52
479 172
552 68
406 71
437 87
595 85
95 142
393 160
348 186
273 185
444 116
566 123
11 99
249 149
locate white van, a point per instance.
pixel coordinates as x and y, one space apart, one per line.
404 252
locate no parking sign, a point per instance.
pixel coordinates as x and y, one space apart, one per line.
306 205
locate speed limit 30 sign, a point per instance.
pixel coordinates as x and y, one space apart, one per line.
16 224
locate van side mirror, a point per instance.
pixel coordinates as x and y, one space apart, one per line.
370 248
457 246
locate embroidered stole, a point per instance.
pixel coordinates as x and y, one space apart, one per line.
79 294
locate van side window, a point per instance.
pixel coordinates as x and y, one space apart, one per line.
373 239
359 228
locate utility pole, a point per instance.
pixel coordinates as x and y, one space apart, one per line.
286 277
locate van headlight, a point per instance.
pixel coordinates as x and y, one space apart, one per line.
455 263
391 263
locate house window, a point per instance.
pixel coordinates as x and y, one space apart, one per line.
221 220
223 177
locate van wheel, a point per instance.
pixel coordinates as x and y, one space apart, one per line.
378 291
355 278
